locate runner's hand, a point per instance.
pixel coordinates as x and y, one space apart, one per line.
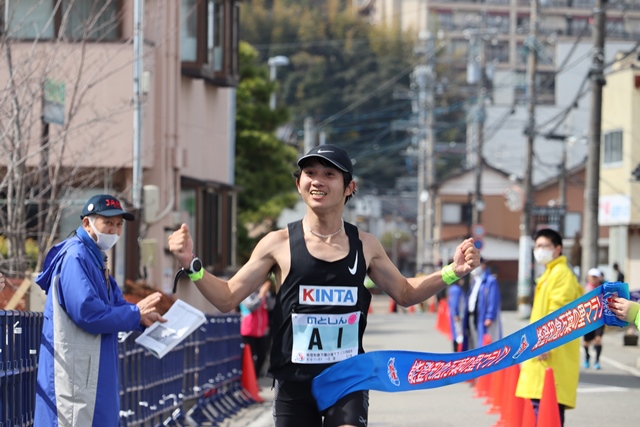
181 245
466 258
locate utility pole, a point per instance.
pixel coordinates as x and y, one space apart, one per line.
310 134
592 190
425 78
562 187
479 117
138 37
525 250
431 145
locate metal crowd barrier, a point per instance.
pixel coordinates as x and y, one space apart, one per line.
198 382
18 366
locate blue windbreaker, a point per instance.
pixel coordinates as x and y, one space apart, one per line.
488 307
78 361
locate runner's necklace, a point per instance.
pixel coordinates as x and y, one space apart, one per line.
323 236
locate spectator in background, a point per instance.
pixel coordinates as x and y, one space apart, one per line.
457 309
594 280
619 274
1 282
483 306
77 381
555 288
254 326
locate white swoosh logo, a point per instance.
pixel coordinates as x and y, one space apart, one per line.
353 269
324 151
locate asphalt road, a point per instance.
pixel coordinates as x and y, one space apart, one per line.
610 396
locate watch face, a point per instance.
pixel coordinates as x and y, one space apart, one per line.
196 265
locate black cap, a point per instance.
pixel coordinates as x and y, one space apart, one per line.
105 205
336 155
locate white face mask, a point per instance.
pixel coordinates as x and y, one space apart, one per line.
543 256
105 241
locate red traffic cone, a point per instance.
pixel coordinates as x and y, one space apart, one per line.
508 394
512 409
442 319
393 307
516 410
549 413
495 392
528 416
249 380
483 384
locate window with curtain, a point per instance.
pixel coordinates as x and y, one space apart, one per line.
209 39
90 19
95 20
189 30
612 147
29 19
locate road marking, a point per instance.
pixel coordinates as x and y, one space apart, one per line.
605 389
630 369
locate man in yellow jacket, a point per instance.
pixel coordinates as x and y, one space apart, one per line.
557 286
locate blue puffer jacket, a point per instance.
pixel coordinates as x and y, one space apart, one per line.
78 360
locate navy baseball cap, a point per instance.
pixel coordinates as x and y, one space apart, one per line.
335 155
105 205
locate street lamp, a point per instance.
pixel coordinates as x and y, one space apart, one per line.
274 62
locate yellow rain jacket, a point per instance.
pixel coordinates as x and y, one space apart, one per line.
556 287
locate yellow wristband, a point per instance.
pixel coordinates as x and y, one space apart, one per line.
448 276
634 313
197 276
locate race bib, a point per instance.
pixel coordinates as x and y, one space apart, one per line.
324 338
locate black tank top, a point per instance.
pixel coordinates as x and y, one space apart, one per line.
320 297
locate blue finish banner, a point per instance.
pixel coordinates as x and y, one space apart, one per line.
397 370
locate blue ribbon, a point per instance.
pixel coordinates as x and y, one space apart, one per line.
396 370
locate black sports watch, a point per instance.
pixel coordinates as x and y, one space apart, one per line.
195 266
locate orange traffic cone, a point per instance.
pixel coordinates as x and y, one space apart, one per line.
249 380
392 306
549 413
495 393
442 321
528 416
512 409
484 382
412 309
516 412
508 394
432 305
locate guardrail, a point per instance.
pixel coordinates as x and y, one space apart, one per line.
198 382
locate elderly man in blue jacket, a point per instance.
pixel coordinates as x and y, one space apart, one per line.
78 361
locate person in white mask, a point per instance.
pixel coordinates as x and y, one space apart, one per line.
555 288
85 310
483 307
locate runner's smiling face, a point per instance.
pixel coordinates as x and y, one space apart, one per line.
321 185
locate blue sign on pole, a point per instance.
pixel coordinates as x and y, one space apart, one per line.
478 244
